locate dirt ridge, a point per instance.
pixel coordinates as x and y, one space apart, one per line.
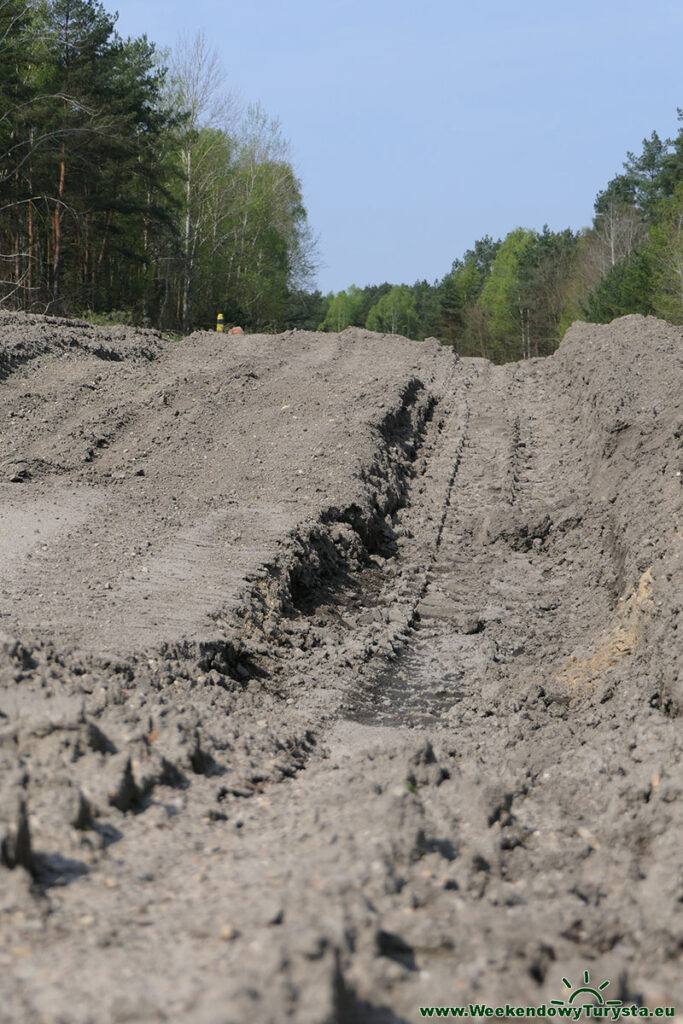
338 675
25 336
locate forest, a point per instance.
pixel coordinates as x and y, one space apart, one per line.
513 298
133 187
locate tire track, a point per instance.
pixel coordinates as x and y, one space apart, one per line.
491 613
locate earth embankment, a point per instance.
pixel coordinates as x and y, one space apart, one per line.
339 676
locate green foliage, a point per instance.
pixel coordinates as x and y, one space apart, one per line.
666 254
671 173
645 275
483 254
370 295
620 193
644 173
427 311
112 317
629 287
458 291
123 188
142 195
304 310
515 298
351 306
545 268
504 298
395 313
342 309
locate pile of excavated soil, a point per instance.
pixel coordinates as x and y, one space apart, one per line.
339 676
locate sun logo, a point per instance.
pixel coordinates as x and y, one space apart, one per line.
586 990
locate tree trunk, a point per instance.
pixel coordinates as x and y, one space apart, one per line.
29 268
57 246
187 282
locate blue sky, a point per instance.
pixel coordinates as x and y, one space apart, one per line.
417 127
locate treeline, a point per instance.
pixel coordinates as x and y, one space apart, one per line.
503 300
133 186
514 298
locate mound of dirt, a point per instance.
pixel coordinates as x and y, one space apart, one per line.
339 676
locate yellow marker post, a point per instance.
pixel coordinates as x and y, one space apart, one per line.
219 322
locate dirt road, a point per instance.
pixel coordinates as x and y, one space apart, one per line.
339 676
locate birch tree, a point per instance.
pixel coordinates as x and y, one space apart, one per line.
209 113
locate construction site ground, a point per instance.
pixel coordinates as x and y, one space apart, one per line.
339 676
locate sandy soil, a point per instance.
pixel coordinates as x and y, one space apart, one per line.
339 676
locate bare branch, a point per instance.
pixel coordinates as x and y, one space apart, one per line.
197 76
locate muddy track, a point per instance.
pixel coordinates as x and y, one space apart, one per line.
339 676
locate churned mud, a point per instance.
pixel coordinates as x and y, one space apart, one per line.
339 676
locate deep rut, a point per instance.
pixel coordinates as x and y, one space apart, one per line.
492 607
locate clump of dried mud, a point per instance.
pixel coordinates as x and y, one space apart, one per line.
339 676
